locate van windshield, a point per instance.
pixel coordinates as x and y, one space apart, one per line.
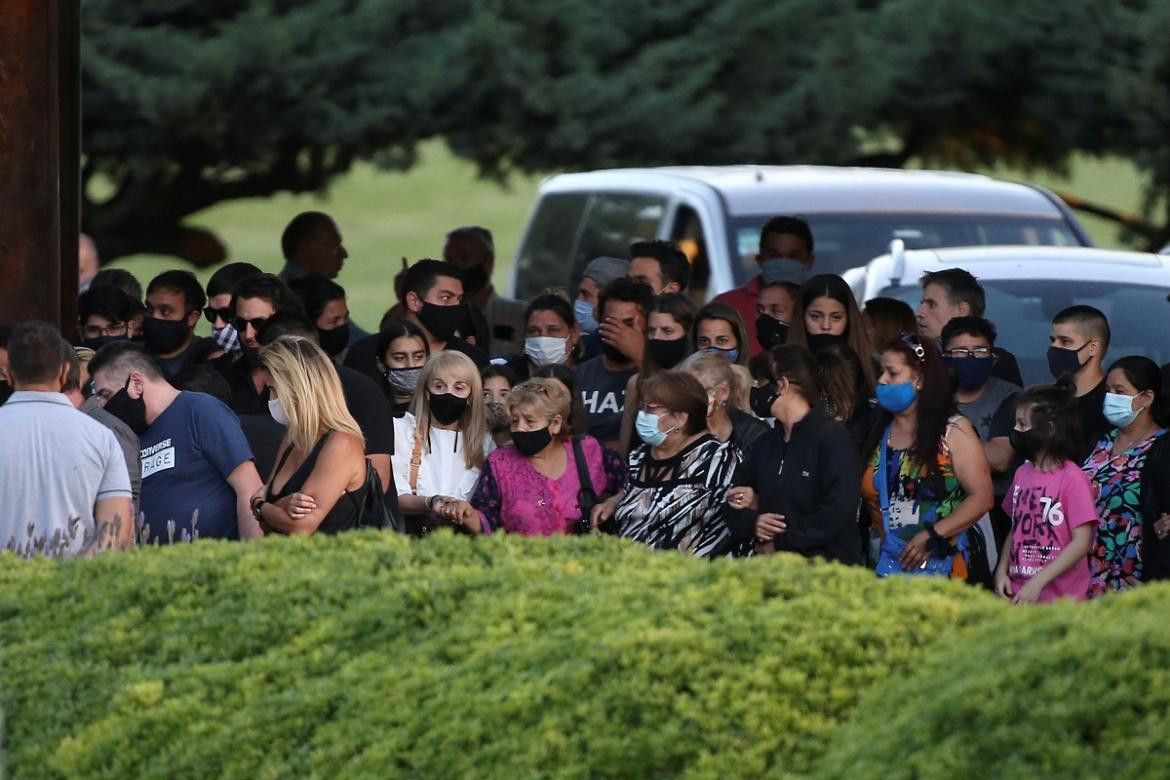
844 241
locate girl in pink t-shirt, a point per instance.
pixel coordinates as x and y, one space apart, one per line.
1051 503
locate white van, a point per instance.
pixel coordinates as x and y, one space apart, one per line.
715 215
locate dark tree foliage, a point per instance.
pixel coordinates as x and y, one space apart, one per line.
190 102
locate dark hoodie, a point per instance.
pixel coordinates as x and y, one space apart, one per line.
814 480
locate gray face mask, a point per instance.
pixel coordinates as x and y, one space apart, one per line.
783 269
403 381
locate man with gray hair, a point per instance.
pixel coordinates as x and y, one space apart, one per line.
66 488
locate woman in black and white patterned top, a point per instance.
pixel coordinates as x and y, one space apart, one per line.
678 481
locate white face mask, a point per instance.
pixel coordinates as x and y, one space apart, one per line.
543 350
276 409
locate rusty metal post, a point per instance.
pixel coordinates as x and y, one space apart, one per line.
40 149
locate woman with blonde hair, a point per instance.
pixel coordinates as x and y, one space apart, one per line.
318 483
535 487
727 394
441 444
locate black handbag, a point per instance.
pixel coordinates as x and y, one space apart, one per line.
372 510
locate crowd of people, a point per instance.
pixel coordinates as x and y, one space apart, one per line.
778 417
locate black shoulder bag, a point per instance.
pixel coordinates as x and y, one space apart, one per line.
372 511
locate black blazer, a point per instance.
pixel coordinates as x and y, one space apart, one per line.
814 480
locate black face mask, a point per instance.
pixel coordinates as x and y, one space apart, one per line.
528 443
819 342
614 354
770 331
101 341
1027 443
442 321
668 354
164 336
474 280
131 411
5 391
761 399
334 340
446 408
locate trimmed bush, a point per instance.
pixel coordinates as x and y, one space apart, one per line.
371 655
1066 690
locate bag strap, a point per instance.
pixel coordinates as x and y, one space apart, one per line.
881 479
586 484
415 461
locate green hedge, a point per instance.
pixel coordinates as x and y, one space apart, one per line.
370 655
1067 690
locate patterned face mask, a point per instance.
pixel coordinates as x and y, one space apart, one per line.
497 416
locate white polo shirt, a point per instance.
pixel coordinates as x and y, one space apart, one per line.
55 464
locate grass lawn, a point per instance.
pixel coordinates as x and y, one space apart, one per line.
385 216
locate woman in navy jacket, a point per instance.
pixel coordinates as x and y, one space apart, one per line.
798 487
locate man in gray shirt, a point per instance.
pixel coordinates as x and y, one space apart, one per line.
66 488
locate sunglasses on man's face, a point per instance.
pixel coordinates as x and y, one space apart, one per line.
241 324
212 314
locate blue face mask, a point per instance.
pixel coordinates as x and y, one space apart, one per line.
646 425
896 398
732 355
971 373
783 269
1118 409
584 312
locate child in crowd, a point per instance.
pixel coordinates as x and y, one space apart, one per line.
1050 502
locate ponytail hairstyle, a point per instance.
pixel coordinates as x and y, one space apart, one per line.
1145 376
838 378
1054 417
794 363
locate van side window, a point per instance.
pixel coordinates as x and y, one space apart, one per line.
687 233
614 221
549 243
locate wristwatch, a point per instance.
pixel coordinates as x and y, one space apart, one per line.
258 503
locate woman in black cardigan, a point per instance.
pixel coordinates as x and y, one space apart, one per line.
798 487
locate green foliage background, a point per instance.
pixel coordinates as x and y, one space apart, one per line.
372 655
188 103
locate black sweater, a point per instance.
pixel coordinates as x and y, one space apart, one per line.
814 480
1155 500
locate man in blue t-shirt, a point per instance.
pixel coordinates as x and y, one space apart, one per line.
198 476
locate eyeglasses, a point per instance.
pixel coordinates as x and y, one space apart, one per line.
911 340
212 314
97 331
979 352
241 324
